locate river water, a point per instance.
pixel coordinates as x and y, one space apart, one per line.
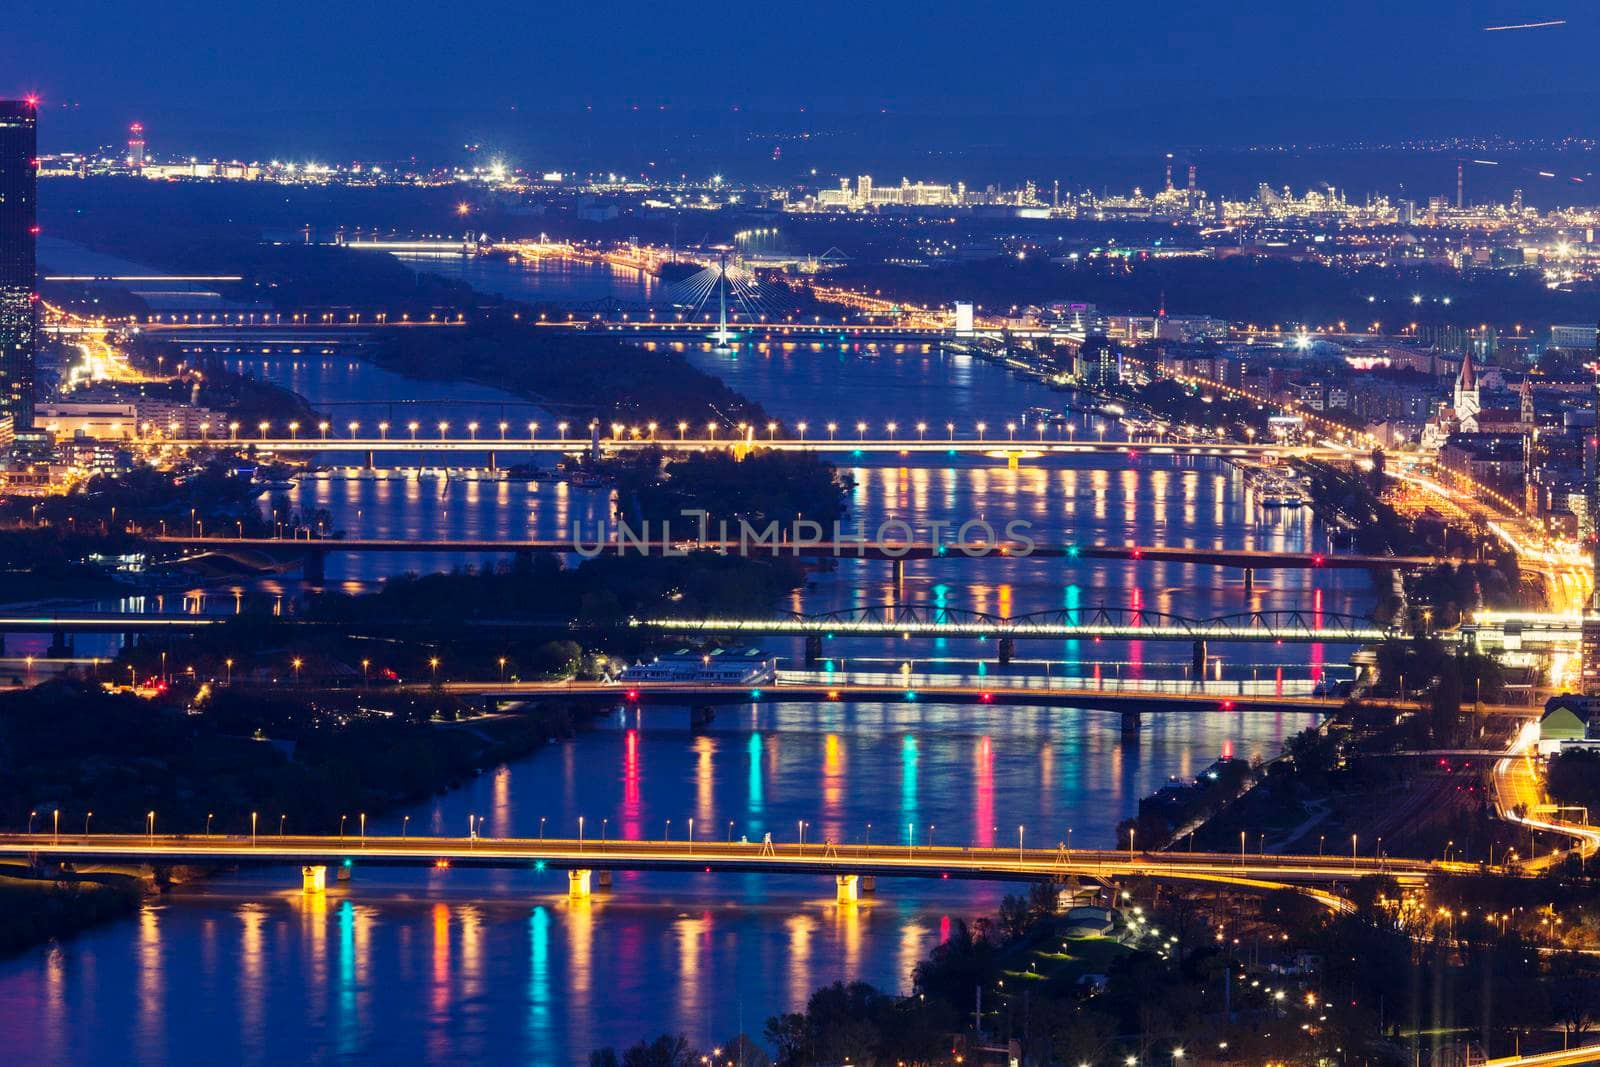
437 966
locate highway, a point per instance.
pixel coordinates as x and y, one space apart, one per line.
1564 1058
1520 799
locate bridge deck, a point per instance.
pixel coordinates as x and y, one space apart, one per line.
1253 558
811 858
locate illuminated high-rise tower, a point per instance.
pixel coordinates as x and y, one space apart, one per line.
19 234
136 145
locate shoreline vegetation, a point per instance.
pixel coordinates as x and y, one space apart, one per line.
209 757
589 377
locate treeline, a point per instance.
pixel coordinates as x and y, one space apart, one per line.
763 487
609 380
76 748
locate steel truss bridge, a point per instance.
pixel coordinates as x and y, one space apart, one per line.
1134 624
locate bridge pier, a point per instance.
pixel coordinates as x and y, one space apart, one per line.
1007 649
869 883
701 716
1200 660
847 888
899 575
1249 579
313 878
60 646
130 640
604 878
813 649
578 886
494 462
1130 725
341 873
315 568
371 460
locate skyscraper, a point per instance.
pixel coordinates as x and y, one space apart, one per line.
136 145
19 233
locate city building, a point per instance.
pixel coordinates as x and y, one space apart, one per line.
19 231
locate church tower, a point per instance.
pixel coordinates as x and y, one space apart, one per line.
1466 391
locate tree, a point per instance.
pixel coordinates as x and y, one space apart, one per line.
668 1050
742 1050
1084 1038
787 1034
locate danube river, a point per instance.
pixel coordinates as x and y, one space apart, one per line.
440 966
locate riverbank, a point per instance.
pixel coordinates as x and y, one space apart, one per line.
36 910
211 761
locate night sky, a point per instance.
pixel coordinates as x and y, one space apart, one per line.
403 77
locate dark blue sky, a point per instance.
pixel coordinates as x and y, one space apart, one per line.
403 76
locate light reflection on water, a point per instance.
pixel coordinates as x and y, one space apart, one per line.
502 963
438 966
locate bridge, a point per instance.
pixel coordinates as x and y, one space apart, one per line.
1091 623
1248 559
894 620
852 866
492 449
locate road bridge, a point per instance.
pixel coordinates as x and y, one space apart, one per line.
1248 559
898 620
848 864
1130 700
491 450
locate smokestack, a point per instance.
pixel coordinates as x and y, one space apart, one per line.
1460 185
1169 172
1191 178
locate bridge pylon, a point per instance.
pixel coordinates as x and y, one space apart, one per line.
847 888
813 649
